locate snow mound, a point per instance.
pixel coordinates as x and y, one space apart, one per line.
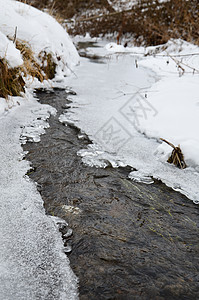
9 52
174 96
40 31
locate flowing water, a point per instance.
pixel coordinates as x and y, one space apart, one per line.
130 240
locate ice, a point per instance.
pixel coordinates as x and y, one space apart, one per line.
32 260
71 209
68 233
33 263
36 128
125 108
140 176
68 248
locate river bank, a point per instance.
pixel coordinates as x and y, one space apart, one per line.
130 240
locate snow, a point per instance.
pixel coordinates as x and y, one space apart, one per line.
33 263
40 31
126 4
122 5
129 100
125 103
176 99
9 52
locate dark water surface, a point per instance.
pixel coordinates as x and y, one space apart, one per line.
130 240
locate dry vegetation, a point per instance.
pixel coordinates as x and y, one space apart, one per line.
149 22
43 68
176 157
11 79
30 67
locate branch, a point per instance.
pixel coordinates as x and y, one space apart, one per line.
178 63
170 144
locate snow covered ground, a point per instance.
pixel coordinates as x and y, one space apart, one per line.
130 99
125 103
33 264
40 31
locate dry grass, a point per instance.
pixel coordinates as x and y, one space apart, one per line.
31 66
176 157
11 81
149 22
43 68
69 8
48 66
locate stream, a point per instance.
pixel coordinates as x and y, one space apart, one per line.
130 240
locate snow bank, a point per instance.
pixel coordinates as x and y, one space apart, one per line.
32 261
175 96
33 264
41 31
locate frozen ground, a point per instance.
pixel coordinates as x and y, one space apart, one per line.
32 260
33 264
126 102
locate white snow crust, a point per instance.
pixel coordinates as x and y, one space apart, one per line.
32 260
33 263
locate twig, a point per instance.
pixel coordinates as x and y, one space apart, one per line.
52 8
170 144
178 55
178 63
116 12
15 35
104 15
177 157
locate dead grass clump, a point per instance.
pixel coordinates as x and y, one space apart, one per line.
43 69
31 66
176 157
11 81
47 64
